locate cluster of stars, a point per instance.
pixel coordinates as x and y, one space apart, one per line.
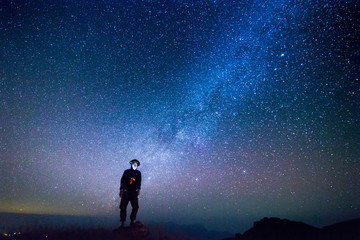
237 110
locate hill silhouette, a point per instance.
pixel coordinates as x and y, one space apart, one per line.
175 231
281 229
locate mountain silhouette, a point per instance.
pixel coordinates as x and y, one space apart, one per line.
281 229
345 230
175 231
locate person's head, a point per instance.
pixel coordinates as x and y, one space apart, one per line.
134 163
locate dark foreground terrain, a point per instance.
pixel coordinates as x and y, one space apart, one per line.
281 229
164 231
265 229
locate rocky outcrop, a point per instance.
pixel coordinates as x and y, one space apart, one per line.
138 231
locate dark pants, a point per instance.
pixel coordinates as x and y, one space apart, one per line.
131 196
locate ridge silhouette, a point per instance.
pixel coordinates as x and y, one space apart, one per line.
281 229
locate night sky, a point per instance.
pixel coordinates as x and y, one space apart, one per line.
237 110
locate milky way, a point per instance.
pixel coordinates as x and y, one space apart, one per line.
237 110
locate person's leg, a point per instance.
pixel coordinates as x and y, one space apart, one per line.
123 205
135 206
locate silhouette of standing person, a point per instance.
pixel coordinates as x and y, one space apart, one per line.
129 191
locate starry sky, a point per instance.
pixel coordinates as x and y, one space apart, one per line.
237 110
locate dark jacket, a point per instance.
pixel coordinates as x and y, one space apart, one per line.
131 180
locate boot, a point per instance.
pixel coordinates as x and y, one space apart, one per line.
132 223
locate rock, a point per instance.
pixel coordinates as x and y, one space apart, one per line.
276 228
138 231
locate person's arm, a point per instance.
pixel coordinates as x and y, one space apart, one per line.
122 184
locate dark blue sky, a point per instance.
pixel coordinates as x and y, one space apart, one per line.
237 110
